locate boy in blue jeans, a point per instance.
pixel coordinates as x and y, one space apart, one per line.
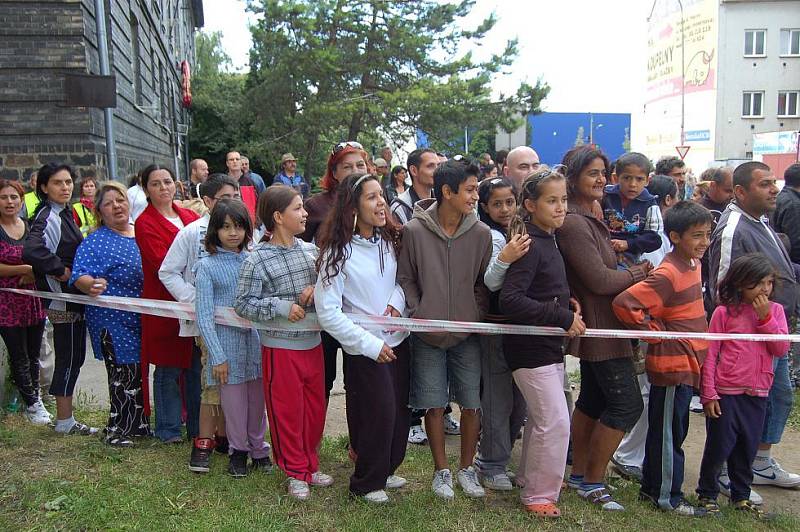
630 211
446 250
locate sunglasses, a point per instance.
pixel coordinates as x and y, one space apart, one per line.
342 145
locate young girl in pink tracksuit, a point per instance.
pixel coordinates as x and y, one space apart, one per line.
736 378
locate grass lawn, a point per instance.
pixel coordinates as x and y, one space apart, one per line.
50 482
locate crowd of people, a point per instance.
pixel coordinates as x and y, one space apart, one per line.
587 243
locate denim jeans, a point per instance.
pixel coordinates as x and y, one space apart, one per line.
779 404
167 402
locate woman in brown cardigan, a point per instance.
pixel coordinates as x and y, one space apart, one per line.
609 402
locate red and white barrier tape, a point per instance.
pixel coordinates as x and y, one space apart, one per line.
227 316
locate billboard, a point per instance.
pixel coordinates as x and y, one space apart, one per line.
660 129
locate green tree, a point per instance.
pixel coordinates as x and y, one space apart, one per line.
217 106
331 70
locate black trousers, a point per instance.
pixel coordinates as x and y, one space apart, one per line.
733 438
330 346
126 417
69 344
23 345
377 417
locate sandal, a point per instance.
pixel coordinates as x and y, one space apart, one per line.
547 510
602 498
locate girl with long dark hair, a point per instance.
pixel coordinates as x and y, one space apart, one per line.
357 269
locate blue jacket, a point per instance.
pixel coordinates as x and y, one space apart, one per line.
639 222
215 281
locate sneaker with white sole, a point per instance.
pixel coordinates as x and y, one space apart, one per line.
443 484
772 474
321 480
498 482
468 480
725 488
298 489
451 426
394 482
417 435
377 496
37 414
695 405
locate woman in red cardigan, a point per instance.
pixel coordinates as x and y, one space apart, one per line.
156 228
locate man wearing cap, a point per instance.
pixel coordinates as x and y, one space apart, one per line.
289 176
382 170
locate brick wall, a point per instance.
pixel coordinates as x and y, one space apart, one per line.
41 41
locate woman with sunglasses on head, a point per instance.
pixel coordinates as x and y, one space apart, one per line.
162 346
345 159
357 270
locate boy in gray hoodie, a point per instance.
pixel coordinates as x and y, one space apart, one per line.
445 252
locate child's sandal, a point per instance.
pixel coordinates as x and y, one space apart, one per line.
547 510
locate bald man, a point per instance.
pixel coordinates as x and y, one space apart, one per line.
520 163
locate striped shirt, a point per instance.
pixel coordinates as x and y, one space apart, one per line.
671 297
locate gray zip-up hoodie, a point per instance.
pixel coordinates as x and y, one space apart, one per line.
442 276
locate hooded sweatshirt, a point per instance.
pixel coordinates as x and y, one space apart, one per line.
442 276
361 287
638 221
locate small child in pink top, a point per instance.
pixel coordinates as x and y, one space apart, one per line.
736 377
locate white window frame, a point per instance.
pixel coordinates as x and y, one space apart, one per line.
752 95
755 32
787 41
781 112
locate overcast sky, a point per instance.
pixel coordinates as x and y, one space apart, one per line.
591 53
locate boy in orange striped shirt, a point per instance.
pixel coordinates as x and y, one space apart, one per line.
671 299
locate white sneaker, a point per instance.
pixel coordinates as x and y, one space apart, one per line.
416 435
498 482
451 426
696 406
298 489
725 488
468 480
321 480
443 484
394 482
37 414
773 474
377 496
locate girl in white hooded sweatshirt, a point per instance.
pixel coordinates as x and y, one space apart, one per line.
357 269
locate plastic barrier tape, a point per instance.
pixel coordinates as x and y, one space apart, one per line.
227 316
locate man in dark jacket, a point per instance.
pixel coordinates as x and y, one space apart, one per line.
786 218
742 229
